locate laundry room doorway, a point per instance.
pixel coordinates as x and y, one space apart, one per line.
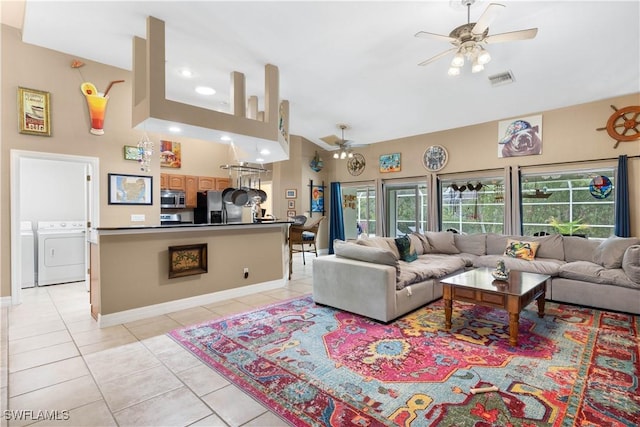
55 195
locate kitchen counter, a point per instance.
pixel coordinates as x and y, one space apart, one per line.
130 267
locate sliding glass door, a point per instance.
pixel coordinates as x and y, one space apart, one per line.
359 210
406 208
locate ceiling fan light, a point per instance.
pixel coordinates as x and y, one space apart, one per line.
483 57
343 155
336 155
454 71
476 67
350 155
458 60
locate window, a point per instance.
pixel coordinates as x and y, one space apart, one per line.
569 202
473 204
359 210
406 208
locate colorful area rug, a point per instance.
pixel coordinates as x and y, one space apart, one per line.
314 365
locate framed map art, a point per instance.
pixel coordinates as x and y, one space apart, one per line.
130 189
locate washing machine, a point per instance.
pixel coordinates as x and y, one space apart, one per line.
27 241
61 252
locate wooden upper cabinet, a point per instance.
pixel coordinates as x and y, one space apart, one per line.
164 181
176 182
222 183
206 183
191 191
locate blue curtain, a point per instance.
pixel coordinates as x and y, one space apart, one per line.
623 220
336 221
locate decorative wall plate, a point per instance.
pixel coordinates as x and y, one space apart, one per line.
356 164
435 158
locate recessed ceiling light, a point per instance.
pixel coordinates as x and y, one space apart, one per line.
174 129
205 90
225 138
185 72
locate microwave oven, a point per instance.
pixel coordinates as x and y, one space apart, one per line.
172 199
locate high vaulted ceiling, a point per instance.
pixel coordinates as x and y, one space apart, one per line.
356 62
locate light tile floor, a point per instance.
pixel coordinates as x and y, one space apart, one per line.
55 358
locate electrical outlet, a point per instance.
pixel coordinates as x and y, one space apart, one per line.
246 272
137 218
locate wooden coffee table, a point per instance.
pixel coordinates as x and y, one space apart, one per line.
479 287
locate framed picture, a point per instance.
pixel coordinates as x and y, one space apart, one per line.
34 112
130 189
187 260
131 152
520 137
291 204
291 194
291 214
317 198
390 163
170 154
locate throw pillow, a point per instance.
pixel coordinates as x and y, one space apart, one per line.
631 263
610 252
475 244
426 247
521 250
407 253
442 242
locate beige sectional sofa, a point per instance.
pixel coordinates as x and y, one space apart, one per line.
370 278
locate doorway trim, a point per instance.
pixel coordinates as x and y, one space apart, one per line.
94 210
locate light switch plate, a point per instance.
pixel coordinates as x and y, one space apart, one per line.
137 217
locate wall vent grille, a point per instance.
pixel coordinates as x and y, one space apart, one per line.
502 78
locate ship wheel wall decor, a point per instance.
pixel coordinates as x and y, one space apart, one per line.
624 124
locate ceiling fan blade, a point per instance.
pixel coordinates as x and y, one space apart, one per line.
438 56
512 36
425 35
331 139
487 18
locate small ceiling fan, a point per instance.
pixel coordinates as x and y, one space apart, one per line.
344 145
468 39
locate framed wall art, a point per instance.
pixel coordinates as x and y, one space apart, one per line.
34 112
131 152
520 137
291 204
290 194
170 154
390 163
317 198
187 260
291 214
130 189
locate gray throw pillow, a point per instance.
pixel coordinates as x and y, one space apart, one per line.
442 242
610 252
579 248
426 247
551 246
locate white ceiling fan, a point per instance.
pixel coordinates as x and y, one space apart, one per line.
468 39
344 145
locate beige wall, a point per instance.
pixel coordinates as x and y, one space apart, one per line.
569 135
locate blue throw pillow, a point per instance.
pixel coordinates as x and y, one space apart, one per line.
404 247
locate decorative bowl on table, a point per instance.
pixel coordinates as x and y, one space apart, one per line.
500 275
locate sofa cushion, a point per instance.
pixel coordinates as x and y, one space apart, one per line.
539 265
365 253
579 248
416 243
521 249
431 266
442 242
596 273
551 246
631 263
406 249
379 242
609 253
475 244
497 242
426 246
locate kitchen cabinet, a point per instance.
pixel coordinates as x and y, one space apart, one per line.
191 191
172 182
222 183
206 183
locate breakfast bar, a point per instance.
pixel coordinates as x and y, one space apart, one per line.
132 277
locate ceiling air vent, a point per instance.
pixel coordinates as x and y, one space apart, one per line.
502 78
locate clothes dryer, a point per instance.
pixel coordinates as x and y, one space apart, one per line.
61 252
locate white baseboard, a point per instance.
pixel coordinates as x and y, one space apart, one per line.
185 303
